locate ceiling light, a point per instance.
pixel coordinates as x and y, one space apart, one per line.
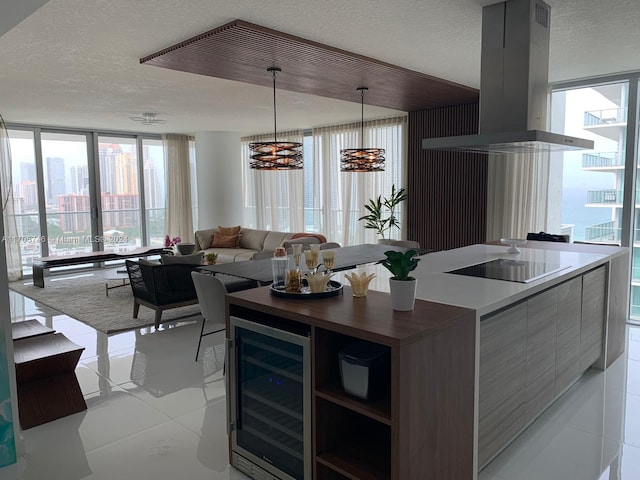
275 155
362 159
148 119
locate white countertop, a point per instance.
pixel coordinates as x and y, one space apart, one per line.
480 294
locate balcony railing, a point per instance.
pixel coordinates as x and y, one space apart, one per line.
605 117
608 197
602 160
608 232
603 232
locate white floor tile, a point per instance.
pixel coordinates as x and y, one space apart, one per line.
550 452
632 421
634 350
633 377
155 413
112 415
630 463
165 451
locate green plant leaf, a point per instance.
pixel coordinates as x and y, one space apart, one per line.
377 207
400 264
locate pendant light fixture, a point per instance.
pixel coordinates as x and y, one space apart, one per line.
275 155
362 159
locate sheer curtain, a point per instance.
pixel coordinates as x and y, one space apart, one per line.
273 199
11 243
518 186
338 198
178 216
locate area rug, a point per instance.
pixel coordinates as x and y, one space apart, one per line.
84 299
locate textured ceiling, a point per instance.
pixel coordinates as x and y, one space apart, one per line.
77 63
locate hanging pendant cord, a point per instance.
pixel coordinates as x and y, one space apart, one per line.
362 120
275 128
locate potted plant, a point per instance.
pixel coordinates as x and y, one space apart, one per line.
210 258
402 286
378 208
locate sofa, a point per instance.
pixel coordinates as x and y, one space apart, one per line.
249 242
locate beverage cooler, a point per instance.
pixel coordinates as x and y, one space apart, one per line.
269 401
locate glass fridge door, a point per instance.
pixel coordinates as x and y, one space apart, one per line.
271 386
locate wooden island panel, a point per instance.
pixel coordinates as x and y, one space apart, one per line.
423 426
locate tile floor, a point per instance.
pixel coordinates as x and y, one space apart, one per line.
154 413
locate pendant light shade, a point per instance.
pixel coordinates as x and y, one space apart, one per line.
362 159
275 155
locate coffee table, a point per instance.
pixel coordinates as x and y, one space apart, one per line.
114 274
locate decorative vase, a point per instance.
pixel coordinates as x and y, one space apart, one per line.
403 294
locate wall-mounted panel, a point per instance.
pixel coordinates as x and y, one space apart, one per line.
446 207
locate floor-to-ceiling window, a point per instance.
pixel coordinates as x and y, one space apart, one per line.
65 167
80 191
593 181
332 201
589 203
25 196
119 193
153 165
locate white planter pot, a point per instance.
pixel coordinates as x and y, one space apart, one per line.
384 241
403 294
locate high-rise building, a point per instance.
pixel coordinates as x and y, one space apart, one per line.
56 182
29 192
152 187
126 175
80 179
27 171
107 153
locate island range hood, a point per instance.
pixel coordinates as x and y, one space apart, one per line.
513 85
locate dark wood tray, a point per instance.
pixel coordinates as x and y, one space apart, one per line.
333 289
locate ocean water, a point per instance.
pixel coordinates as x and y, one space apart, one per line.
574 212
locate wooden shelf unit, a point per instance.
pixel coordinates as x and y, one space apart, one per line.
422 424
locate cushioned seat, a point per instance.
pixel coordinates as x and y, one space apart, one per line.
228 255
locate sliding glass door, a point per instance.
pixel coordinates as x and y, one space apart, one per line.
119 193
80 191
598 200
25 196
593 181
65 167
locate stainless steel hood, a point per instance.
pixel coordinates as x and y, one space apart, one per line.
513 85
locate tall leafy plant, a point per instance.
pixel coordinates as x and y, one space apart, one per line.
382 211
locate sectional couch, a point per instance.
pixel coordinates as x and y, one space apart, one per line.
250 242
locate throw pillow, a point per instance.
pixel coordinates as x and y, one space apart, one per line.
225 241
229 230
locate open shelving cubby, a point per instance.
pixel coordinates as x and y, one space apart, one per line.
353 436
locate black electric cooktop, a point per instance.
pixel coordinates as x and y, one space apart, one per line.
509 270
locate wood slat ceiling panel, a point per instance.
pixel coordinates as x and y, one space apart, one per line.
242 51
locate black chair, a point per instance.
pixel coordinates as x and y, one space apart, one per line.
548 237
161 287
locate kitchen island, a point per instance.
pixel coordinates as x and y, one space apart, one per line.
471 367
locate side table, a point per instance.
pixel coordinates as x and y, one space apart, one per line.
45 375
115 274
